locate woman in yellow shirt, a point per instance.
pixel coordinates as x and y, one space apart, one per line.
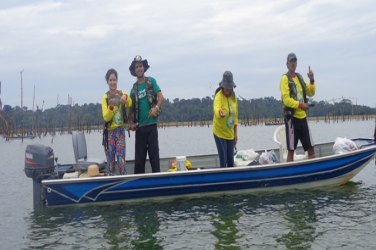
225 120
114 104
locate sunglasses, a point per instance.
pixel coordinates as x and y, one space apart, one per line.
293 60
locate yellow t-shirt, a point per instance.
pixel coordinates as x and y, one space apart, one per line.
115 115
223 127
292 103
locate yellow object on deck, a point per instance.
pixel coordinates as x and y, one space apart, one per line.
174 165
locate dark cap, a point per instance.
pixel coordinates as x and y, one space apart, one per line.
291 56
227 81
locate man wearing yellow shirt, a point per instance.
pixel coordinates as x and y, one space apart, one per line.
294 92
225 120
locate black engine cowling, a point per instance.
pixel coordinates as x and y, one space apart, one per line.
39 161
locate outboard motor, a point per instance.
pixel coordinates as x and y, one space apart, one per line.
39 165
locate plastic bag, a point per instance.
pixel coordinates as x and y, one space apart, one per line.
268 157
344 145
244 157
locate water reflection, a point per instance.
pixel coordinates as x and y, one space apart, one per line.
300 218
63 228
287 220
118 224
300 213
225 225
99 227
147 223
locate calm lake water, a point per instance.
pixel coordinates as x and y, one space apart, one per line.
336 218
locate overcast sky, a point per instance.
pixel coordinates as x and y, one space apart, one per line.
65 47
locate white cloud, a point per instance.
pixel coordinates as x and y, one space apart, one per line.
65 47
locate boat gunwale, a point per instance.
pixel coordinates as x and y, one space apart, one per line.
211 170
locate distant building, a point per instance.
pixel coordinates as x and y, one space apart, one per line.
1 105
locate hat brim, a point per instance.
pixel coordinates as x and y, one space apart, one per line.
86 175
144 63
100 174
95 173
227 85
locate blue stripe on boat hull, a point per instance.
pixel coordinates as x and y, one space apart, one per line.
203 181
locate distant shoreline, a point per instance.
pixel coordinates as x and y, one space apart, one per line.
242 122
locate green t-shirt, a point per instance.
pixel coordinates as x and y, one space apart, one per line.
143 106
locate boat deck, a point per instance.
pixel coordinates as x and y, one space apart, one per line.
212 161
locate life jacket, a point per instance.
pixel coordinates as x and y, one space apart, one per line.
217 90
151 97
107 124
289 112
220 88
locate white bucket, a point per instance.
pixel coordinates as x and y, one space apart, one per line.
180 161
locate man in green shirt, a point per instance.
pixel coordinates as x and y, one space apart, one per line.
147 100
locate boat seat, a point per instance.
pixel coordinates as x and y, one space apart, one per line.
80 153
279 137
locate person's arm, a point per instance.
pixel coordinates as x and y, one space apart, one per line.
107 109
130 120
217 106
236 122
154 111
126 100
235 134
236 118
160 100
130 114
311 87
